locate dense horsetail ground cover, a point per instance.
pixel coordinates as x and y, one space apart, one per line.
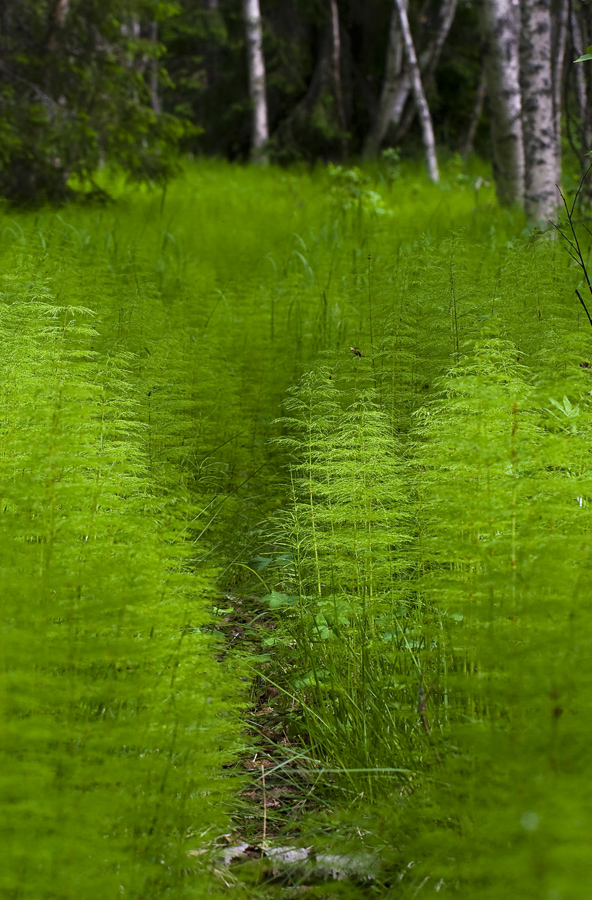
363 402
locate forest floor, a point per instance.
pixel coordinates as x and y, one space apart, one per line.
268 851
361 403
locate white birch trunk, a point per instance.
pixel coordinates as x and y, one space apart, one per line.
398 83
260 128
421 104
387 106
59 14
500 26
541 146
154 98
429 59
336 65
434 51
559 45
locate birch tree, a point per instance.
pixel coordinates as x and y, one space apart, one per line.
421 104
428 61
336 67
58 16
541 141
559 34
153 73
392 98
256 64
398 82
500 27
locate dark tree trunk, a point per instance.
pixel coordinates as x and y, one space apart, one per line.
468 141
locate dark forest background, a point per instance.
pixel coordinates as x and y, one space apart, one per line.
84 83
206 61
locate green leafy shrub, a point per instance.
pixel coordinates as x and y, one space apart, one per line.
74 94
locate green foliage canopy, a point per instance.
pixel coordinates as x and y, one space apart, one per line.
74 93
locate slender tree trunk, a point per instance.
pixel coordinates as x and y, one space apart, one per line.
468 142
559 33
398 83
154 98
403 93
390 88
336 67
57 20
581 91
421 104
260 128
500 27
428 60
444 24
541 174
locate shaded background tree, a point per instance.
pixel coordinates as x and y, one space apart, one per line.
75 91
500 27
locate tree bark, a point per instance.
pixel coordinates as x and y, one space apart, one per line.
559 34
256 64
336 66
398 82
57 21
500 27
387 106
428 62
443 26
421 103
153 78
541 145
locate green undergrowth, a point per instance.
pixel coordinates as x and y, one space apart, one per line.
431 583
258 272
115 715
181 408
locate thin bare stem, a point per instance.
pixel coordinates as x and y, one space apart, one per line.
579 296
264 802
573 243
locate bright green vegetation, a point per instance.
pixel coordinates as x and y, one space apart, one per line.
179 398
113 726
